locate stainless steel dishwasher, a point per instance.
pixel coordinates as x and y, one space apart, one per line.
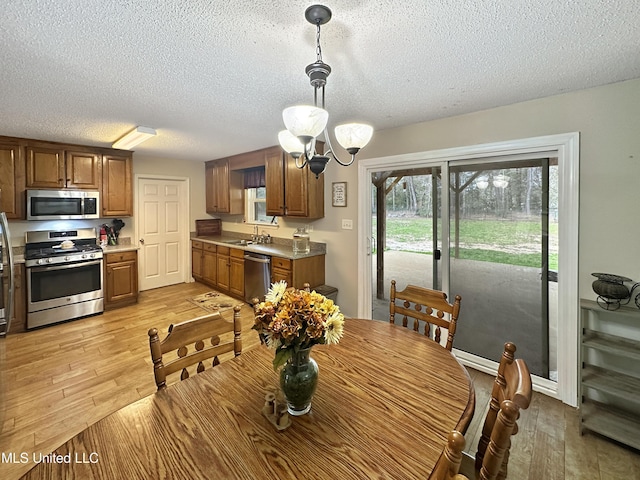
257 276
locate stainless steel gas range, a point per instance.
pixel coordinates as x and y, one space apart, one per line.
64 276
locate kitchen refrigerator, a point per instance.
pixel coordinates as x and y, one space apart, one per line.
6 276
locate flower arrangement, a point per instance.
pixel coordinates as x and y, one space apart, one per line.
290 320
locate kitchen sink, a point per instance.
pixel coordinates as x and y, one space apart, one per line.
238 242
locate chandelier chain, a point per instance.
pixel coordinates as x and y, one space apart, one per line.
318 47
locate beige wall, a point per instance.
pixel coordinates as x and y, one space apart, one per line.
607 119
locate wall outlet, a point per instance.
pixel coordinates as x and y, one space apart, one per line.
347 224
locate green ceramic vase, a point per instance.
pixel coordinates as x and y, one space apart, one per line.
298 381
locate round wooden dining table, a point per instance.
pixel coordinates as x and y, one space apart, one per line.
387 398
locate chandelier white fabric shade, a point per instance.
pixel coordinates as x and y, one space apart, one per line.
353 135
305 121
134 137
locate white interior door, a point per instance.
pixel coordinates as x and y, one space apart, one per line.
162 231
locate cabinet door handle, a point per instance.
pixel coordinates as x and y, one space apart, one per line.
141 241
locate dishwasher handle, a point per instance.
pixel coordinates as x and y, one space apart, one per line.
258 260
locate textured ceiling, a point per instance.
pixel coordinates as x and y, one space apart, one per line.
213 76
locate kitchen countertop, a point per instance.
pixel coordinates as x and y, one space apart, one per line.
119 248
279 248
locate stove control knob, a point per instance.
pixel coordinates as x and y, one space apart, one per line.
67 258
84 255
92 255
49 260
40 261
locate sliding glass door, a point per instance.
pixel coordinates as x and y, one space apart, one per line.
498 249
503 259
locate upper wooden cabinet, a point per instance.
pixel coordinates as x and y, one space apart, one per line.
83 170
224 188
26 163
12 181
291 191
56 167
117 190
45 167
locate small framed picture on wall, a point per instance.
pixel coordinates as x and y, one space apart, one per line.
339 194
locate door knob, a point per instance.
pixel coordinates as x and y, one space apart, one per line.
141 241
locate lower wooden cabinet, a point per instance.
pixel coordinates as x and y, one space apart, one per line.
224 268
121 279
19 314
236 272
196 259
298 271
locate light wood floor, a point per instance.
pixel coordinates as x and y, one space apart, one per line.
56 381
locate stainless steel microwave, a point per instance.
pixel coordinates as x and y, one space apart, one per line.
62 204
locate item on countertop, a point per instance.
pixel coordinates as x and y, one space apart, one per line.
301 241
209 227
103 236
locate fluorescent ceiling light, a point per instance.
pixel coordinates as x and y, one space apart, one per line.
134 137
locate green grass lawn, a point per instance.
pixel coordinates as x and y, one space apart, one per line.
513 242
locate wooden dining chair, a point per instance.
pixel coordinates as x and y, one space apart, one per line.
511 393
428 306
448 465
194 334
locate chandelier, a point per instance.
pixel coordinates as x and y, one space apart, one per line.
305 122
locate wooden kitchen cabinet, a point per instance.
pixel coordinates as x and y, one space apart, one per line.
19 313
26 163
12 180
291 191
236 272
224 188
55 166
209 264
83 170
224 268
117 187
196 260
45 167
297 272
121 272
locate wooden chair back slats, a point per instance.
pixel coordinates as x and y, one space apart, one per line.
428 306
187 333
194 341
197 357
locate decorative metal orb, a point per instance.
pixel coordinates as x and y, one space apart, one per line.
610 289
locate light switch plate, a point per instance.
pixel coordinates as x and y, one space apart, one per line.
347 224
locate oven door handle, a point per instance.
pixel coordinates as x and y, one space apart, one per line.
65 266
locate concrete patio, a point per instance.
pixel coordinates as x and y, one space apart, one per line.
499 303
